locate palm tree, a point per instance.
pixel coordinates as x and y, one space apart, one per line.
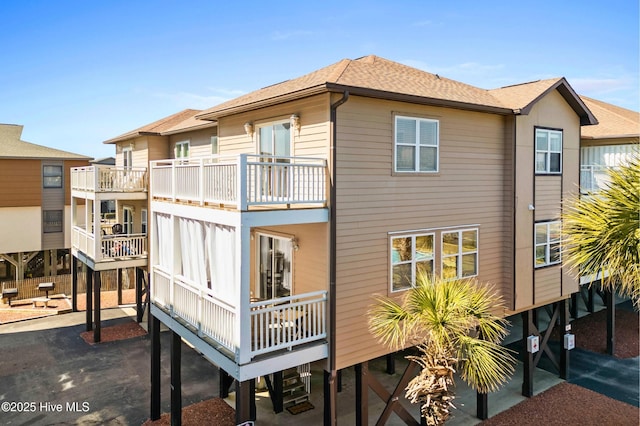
602 232
452 324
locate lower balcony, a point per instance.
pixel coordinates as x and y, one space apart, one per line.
278 333
109 251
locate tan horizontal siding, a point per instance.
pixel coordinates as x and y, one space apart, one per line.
548 197
372 201
310 141
547 284
157 148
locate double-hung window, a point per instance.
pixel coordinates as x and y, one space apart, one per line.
52 176
416 144
411 255
548 151
182 149
51 221
460 254
548 243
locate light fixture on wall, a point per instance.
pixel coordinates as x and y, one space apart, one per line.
248 128
294 120
294 244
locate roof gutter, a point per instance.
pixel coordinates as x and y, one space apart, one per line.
332 253
414 99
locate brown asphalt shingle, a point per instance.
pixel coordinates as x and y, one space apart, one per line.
379 77
613 121
11 146
157 127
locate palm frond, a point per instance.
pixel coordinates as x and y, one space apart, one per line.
602 232
485 365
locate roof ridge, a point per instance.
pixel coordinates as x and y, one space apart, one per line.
341 67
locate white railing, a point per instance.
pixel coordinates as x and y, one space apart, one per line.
275 324
262 180
83 241
109 179
109 247
286 322
593 178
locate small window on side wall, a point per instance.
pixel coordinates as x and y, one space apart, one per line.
460 254
52 176
411 255
548 151
416 145
52 221
182 149
548 243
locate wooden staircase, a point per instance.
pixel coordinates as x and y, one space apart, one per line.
287 387
294 389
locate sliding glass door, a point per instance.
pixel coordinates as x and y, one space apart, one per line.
274 266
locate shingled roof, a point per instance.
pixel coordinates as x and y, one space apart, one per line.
12 147
613 121
377 77
180 120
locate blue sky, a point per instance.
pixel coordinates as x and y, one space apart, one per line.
76 73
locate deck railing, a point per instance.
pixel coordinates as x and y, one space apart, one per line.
109 179
243 181
109 247
284 322
593 178
275 324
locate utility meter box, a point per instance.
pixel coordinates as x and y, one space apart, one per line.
533 344
569 341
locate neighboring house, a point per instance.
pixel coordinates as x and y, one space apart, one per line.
610 143
34 206
111 233
341 184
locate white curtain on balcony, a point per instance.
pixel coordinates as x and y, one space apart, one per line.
193 253
164 241
221 259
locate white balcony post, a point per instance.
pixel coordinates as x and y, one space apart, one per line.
242 182
243 322
97 235
175 264
173 181
201 181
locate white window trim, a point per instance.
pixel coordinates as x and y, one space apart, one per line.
176 149
416 144
278 236
261 125
127 157
546 244
548 151
460 253
413 260
144 221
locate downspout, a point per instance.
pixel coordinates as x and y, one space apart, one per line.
333 247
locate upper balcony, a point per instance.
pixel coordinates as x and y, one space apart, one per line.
109 179
242 182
